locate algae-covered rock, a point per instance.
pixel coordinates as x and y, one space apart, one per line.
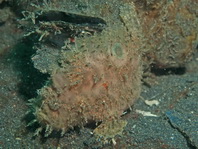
170 29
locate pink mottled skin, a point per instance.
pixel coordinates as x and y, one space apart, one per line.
95 87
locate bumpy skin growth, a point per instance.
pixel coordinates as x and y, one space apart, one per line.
97 87
92 85
99 77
